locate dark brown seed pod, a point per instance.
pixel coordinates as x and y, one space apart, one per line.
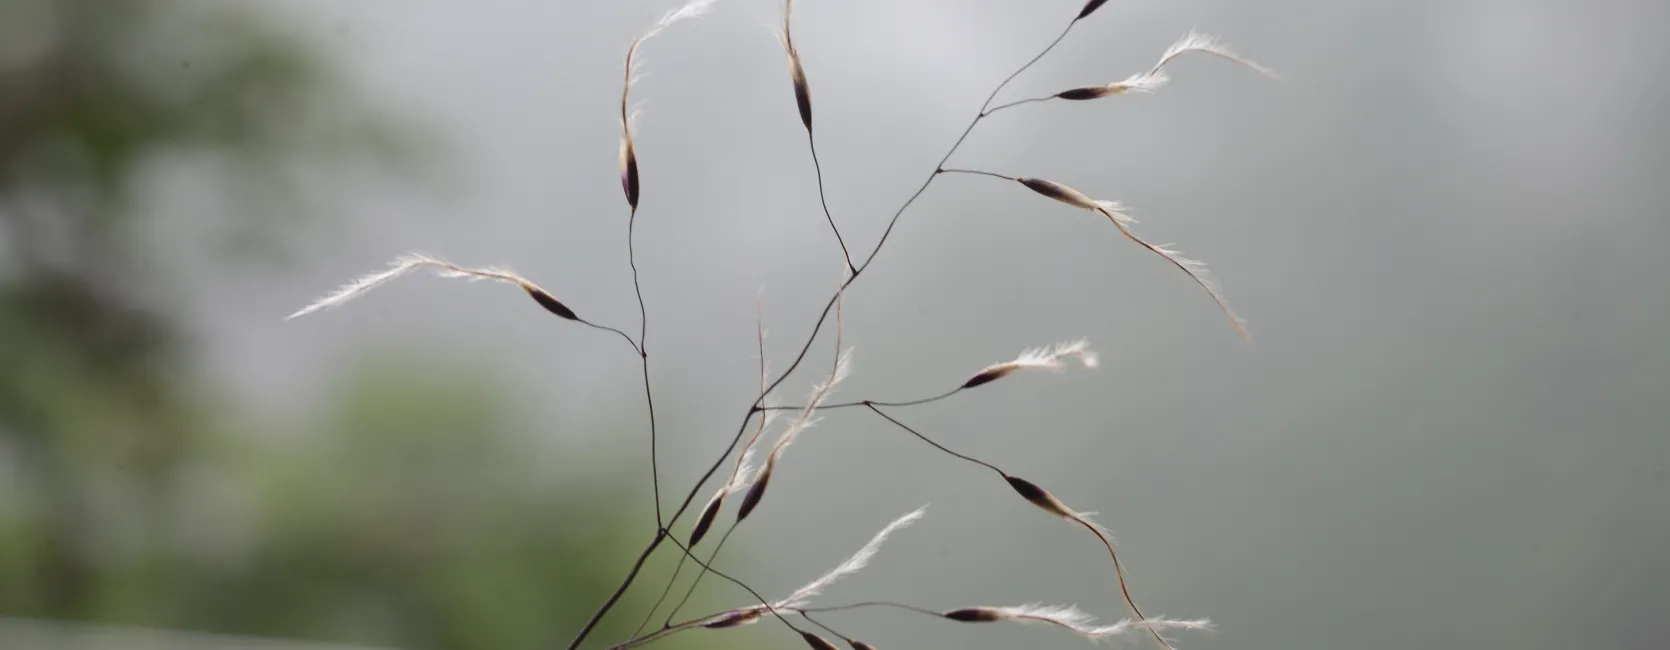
755 493
1040 497
1087 92
1059 192
974 615
860 645
550 303
704 522
990 375
629 171
817 642
734 619
802 92
1090 7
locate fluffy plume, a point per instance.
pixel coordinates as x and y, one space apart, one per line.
1071 618
1037 359
1115 213
820 392
1156 76
745 462
413 261
853 564
628 153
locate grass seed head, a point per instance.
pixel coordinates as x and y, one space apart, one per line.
974 615
817 642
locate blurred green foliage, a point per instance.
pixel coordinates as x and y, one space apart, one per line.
406 514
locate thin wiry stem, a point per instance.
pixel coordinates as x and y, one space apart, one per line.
1015 103
812 143
936 445
870 402
947 157
710 558
766 604
668 590
826 628
977 172
624 335
873 603
596 617
754 408
643 356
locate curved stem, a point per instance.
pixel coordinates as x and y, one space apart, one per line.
870 402
977 172
1015 103
981 115
812 143
643 355
936 445
623 335
875 603
698 581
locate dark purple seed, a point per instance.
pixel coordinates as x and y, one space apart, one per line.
551 304
972 615
817 642
705 522
752 499
1087 92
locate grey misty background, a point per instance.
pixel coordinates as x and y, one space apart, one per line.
1445 225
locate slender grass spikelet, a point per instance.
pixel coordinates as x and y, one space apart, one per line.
973 615
797 74
705 521
1151 79
1036 359
818 642
860 645
628 152
413 261
1195 269
756 491
1068 617
736 618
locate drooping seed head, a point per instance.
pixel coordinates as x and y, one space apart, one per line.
628 153
817 642
1040 497
756 492
629 168
549 302
974 615
1059 192
1090 7
705 522
737 618
1043 359
797 73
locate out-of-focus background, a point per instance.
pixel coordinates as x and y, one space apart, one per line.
1445 224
